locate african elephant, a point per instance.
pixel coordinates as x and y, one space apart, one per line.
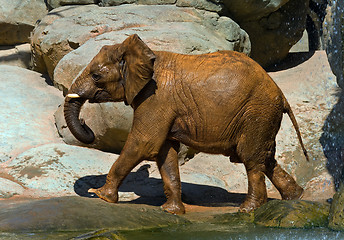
218 103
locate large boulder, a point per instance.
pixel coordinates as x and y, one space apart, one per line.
333 35
274 26
18 18
164 27
18 55
209 5
26 111
58 3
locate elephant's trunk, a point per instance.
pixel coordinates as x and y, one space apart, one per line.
80 130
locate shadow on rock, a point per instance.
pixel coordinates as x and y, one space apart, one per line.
150 190
292 60
332 141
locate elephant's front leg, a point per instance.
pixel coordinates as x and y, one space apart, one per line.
167 161
130 157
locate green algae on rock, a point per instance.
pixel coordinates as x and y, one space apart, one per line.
336 216
292 214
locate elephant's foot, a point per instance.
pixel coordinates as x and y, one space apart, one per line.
174 207
250 204
293 194
106 193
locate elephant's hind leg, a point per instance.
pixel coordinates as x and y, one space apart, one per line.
254 153
256 195
167 161
285 184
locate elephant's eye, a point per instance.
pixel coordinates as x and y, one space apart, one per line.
96 76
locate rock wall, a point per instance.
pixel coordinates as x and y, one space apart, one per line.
18 18
274 26
333 38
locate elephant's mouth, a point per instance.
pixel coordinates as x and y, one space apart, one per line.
101 96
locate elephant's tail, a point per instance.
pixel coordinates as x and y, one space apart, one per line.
287 109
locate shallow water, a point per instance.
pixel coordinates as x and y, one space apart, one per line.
239 233
196 232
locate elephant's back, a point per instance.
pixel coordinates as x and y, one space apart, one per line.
218 76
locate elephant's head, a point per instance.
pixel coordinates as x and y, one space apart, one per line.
117 73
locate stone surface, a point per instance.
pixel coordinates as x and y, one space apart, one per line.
253 9
180 30
81 214
58 3
19 55
302 45
292 214
26 109
9 188
18 18
333 35
209 5
53 169
336 217
274 26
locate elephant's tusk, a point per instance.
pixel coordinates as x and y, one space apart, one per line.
73 95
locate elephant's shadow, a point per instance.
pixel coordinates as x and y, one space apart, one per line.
150 190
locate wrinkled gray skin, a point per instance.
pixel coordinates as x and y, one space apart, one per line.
220 103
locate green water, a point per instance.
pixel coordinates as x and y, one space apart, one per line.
225 233
194 232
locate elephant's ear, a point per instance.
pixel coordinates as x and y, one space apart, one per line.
139 62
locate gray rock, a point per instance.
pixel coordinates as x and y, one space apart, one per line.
18 18
53 169
292 214
80 215
58 3
26 111
274 26
252 9
177 29
107 3
19 55
333 35
209 5
9 188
